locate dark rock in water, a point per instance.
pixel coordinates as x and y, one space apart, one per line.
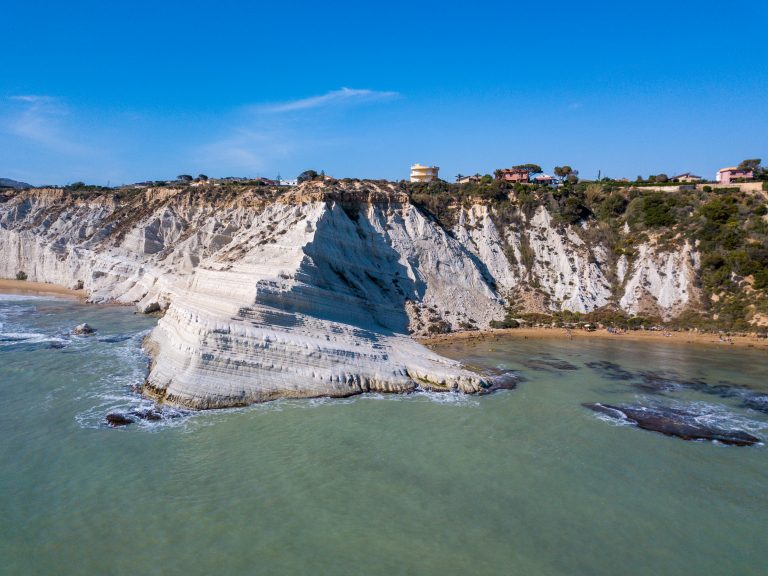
83 330
674 422
118 419
57 345
148 414
114 339
503 381
757 402
611 370
656 383
548 364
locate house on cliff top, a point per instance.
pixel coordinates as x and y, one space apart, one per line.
733 173
421 173
513 175
686 177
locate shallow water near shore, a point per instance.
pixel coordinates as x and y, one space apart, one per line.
523 481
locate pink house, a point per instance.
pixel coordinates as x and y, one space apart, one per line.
728 175
513 175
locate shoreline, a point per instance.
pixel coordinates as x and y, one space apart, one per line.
677 338
8 286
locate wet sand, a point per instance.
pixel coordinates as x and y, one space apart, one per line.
675 338
27 287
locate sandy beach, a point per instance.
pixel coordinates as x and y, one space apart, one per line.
26 287
674 338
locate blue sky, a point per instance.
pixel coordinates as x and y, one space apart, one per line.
125 91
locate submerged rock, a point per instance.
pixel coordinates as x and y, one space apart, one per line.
503 381
83 330
673 422
757 402
611 370
547 364
115 339
116 419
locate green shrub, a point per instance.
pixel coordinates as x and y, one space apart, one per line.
506 323
21 275
439 327
613 206
656 210
720 210
761 280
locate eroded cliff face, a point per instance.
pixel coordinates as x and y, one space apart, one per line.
541 266
314 292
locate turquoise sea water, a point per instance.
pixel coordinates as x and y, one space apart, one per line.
524 481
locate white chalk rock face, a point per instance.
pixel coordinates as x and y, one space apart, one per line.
660 281
565 267
318 310
477 232
296 295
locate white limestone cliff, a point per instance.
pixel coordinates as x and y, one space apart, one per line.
312 292
660 282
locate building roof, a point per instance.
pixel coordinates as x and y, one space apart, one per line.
688 174
730 169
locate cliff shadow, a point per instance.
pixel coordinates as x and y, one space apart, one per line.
350 274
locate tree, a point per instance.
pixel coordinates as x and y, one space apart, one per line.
567 174
662 177
532 168
202 177
752 165
184 178
306 176
563 172
459 176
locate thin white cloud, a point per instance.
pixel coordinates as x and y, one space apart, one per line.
343 96
40 119
260 138
31 98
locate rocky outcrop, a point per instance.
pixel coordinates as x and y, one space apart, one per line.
83 330
674 422
660 282
314 291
